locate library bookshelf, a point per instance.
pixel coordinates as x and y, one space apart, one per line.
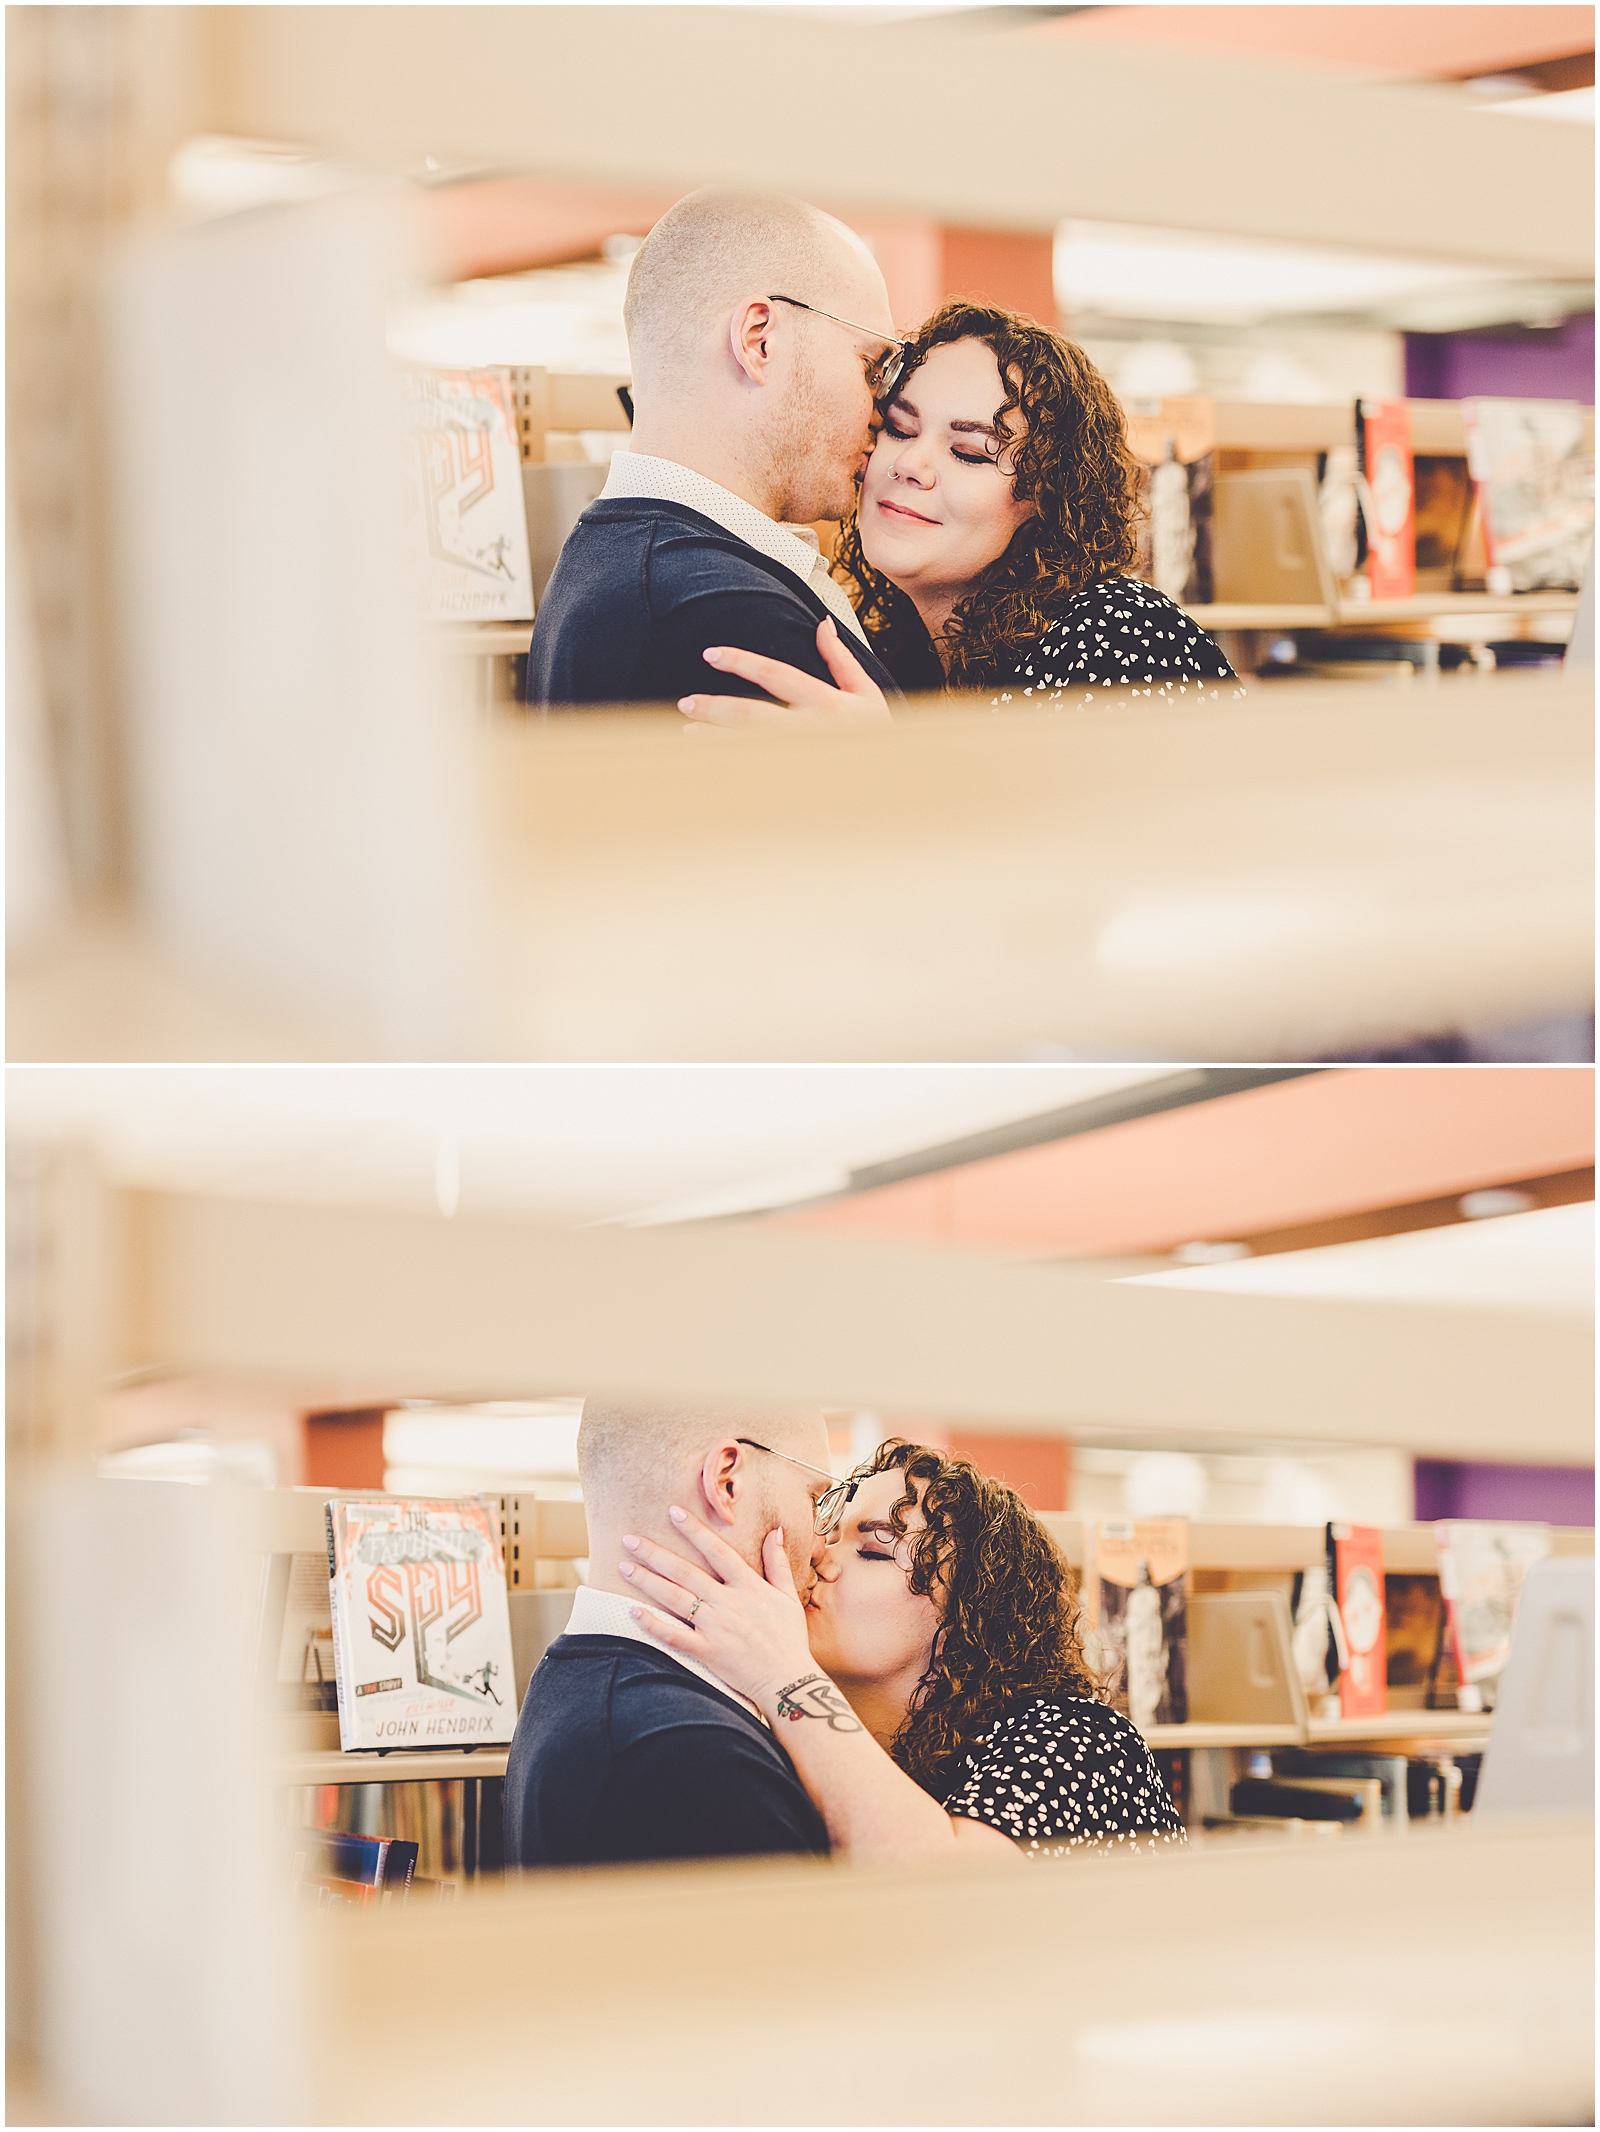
1223 1556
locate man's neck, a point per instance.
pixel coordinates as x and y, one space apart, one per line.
719 459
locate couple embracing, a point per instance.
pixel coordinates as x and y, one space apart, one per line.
978 472
766 1658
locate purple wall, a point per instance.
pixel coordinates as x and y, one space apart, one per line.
1520 363
1451 1488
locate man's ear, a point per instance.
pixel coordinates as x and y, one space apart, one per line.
747 338
722 1479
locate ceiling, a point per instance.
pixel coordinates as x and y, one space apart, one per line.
560 1143
1541 1262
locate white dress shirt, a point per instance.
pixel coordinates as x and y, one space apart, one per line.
606 1614
795 547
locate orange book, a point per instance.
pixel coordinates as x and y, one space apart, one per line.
1355 1558
1388 505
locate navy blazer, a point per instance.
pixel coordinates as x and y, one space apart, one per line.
642 587
621 1753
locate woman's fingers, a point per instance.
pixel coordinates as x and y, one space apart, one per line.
680 1569
660 1591
790 684
673 1634
775 1561
724 1560
847 670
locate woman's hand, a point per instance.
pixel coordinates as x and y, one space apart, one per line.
802 699
750 1630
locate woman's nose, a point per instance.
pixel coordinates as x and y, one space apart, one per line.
826 1565
915 465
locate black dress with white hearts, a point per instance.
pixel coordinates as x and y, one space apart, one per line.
1119 630
1065 1773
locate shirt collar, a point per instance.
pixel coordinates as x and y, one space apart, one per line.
596 1613
666 481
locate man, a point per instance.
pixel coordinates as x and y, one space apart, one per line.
623 1749
759 333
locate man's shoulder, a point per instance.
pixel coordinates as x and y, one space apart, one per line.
645 1691
680 546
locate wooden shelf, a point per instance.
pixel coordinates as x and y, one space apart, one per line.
1445 610
477 640
1462 1729
329 1766
1222 1735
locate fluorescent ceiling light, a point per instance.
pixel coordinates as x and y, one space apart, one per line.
1128 271
1541 1262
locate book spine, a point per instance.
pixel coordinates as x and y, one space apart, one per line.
342 1685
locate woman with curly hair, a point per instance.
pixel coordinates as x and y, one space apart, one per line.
992 539
930 1687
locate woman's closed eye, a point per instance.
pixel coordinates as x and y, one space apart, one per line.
966 458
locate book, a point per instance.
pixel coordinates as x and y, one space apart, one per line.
1135 1589
421 1631
466 519
1355 1571
1481 1568
1390 1772
1349 1799
1383 441
1174 441
1533 467
332 1855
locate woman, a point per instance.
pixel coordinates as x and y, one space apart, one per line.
930 1688
990 547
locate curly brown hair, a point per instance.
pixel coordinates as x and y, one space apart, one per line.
1073 463
1008 1602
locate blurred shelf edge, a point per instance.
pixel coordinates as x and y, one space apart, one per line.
501 640
436 1766
1463 1730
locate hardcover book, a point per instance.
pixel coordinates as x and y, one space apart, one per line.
421 1631
1534 469
1135 1588
1383 432
1355 1569
466 517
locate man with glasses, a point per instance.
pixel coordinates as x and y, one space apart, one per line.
759 333
625 1750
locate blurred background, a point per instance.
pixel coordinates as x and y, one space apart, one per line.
1255 1301
243 824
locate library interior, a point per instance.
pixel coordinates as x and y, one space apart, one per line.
317 355
1286 1370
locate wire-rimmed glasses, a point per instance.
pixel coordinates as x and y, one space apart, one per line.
883 374
832 1502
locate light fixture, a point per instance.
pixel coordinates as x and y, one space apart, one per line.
1202 1254
1484 1206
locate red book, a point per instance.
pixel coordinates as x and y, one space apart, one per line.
1356 1561
1387 498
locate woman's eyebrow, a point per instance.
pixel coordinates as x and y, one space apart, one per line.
982 429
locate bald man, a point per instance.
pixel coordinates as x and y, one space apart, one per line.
624 1750
758 330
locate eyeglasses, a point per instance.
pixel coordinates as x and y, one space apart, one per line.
883 374
832 1502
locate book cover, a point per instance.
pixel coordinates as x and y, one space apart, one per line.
421 1631
1481 1568
1174 441
1135 1589
1355 1567
467 525
1383 434
1533 466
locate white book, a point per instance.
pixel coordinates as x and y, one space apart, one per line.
466 516
421 1629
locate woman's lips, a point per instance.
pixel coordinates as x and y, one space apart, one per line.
900 511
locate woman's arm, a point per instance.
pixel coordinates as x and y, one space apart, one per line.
802 699
751 1632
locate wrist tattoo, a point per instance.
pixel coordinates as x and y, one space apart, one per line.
814 1695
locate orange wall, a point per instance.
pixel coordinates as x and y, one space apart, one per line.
1296 1151
1425 41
